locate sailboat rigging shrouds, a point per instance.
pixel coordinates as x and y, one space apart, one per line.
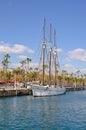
48 64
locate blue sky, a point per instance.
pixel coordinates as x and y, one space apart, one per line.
21 23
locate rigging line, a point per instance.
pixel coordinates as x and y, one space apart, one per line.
55 47
43 45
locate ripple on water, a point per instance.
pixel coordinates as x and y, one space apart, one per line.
65 112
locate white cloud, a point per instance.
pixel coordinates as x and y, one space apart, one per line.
15 65
34 65
18 49
15 49
77 54
70 68
22 56
83 70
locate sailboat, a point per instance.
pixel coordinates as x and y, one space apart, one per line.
51 89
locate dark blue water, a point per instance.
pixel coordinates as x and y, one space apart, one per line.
65 112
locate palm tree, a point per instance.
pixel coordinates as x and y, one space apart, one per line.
28 61
4 65
31 69
5 62
78 73
36 69
64 75
84 79
23 63
1 75
7 56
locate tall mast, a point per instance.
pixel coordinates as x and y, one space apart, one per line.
55 54
43 50
44 27
51 34
50 53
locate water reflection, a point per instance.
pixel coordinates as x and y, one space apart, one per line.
43 113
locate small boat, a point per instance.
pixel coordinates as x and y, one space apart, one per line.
51 89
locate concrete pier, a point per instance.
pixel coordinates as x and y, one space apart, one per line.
75 88
18 92
9 91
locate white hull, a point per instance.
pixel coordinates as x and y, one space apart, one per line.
47 91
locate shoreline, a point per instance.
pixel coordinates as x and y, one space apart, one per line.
75 88
7 92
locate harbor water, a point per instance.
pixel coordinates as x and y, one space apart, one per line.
64 112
